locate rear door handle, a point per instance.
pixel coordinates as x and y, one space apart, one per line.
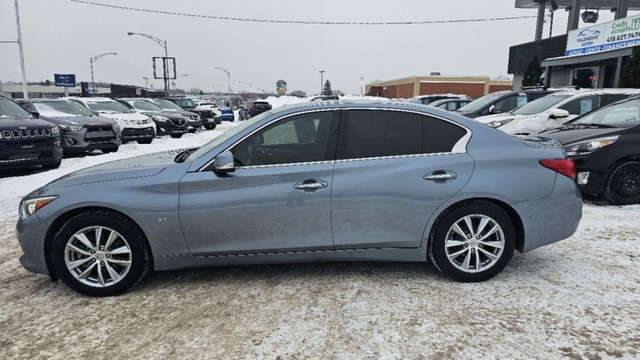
311 184
440 176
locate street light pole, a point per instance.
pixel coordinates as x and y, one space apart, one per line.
165 62
321 81
25 91
229 76
92 60
361 85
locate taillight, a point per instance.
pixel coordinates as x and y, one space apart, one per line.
565 167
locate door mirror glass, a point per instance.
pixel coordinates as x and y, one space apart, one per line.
223 163
559 113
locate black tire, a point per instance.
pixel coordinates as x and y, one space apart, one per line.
623 186
128 236
52 166
109 150
176 136
474 211
210 126
145 141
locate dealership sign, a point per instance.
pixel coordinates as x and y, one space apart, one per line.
612 35
66 80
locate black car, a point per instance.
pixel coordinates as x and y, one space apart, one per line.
80 129
206 115
167 123
26 141
502 102
605 146
253 108
193 119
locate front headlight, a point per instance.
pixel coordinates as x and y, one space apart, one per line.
160 118
498 123
30 206
589 146
55 131
116 127
70 128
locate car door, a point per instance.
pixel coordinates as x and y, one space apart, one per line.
393 170
277 199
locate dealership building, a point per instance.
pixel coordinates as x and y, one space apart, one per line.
589 55
473 87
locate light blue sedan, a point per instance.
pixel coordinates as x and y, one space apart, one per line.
310 182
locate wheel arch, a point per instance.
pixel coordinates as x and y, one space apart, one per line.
510 211
64 217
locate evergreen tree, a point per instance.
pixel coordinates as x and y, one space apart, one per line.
533 73
631 72
327 88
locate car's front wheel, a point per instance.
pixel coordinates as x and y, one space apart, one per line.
623 187
472 242
100 253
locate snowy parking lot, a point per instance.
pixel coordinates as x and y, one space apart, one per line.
579 298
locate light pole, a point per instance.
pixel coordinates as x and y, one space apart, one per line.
229 76
165 62
25 92
248 84
146 81
92 60
361 85
321 81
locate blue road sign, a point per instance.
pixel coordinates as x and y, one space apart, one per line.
66 80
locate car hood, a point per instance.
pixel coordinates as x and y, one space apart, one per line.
180 112
577 134
79 120
11 123
125 169
123 116
168 114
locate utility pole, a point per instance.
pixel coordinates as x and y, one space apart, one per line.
361 85
321 81
25 91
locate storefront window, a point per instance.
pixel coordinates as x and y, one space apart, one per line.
586 78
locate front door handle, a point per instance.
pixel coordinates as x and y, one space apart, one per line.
440 176
311 184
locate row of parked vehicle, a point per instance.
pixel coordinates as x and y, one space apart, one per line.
599 130
39 132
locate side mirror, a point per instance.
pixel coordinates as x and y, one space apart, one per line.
96 113
224 163
35 114
494 110
559 114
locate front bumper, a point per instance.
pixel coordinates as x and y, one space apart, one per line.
88 139
169 128
31 234
130 134
29 153
595 169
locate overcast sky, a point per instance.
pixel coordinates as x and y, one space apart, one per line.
60 36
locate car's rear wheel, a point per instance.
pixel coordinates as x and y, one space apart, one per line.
100 253
52 166
472 242
623 187
176 136
145 141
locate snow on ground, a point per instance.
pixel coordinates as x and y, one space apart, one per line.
579 299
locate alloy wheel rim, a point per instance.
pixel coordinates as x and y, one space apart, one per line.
98 256
630 186
474 243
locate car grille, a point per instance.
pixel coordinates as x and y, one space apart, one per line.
26 133
194 118
178 122
99 134
206 113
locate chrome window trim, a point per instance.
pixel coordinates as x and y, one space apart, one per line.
459 148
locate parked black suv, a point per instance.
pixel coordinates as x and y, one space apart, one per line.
167 123
502 102
26 141
206 115
253 108
192 118
80 129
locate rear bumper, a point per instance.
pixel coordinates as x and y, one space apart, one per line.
553 218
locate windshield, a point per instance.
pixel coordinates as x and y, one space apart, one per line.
479 103
9 108
184 103
61 108
144 105
108 106
166 104
226 136
627 112
540 105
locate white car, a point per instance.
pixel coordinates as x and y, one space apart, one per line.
428 99
134 125
554 110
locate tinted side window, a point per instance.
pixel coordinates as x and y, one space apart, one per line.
582 105
507 104
374 133
611 98
300 138
440 136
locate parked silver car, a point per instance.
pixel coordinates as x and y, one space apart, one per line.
308 182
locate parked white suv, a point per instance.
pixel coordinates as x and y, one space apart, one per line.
135 126
428 99
554 110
